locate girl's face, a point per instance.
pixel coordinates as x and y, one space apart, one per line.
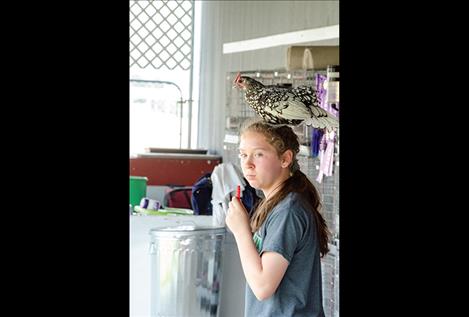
261 165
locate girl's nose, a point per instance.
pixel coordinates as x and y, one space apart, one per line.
248 162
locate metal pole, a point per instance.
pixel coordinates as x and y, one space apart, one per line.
191 79
180 126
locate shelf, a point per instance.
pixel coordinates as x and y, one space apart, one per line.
324 36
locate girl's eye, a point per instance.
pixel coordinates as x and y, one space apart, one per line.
258 154
242 155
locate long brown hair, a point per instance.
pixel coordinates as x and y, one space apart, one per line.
282 138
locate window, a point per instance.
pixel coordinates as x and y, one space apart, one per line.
164 45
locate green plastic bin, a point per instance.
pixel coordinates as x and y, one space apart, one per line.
137 189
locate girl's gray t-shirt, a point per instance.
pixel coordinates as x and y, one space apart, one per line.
290 230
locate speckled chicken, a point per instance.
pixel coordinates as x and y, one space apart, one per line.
280 105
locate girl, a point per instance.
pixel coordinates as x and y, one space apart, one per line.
281 245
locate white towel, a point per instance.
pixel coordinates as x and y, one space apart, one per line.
225 179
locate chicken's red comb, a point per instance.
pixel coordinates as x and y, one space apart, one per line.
237 77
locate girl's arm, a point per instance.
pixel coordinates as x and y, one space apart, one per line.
263 274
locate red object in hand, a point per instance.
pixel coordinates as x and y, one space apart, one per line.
238 192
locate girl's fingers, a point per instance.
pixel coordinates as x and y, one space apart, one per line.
235 201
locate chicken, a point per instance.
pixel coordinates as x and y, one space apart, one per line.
280 105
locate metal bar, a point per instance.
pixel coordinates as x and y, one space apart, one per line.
180 126
189 132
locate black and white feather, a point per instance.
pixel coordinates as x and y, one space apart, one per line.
282 105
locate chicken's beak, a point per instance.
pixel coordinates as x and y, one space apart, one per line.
235 82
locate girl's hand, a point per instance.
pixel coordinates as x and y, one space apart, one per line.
237 218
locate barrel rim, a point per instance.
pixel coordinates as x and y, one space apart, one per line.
187 229
138 178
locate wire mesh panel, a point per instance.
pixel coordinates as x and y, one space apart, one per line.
161 34
330 282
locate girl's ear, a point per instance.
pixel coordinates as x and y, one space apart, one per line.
287 158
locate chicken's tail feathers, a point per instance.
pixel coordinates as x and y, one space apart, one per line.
334 121
328 123
315 122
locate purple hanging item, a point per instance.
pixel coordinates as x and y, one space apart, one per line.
322 92
316 137
326 155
